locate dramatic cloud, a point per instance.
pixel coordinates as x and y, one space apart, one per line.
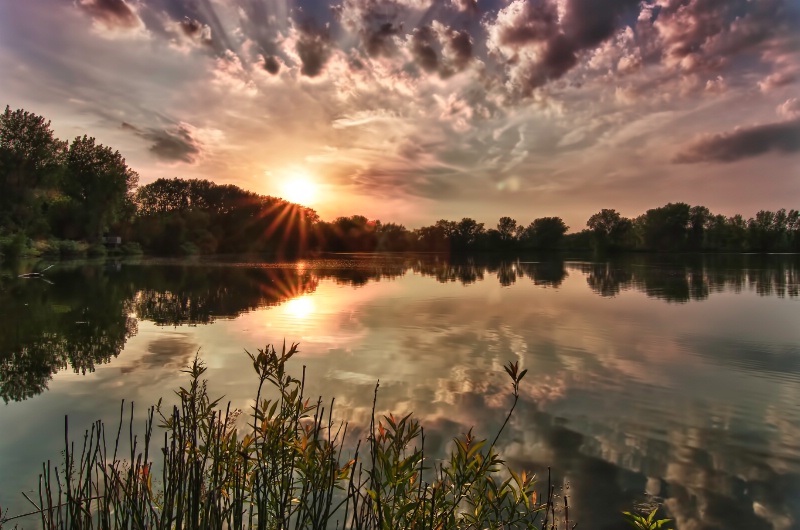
422 48
272 65
313 46
587 23
438 48
111 13
783 137
706 34
456 48
441 108
171 145
376 24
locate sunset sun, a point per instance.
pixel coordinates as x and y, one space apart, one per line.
300 189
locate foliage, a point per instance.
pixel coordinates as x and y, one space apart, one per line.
131 248
217 218
291 467
30 157
12 247
96 250
645 523
97 179
189 249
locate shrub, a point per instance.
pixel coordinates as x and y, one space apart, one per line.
188 249
97 250
12 247
131 248
48 248
71 249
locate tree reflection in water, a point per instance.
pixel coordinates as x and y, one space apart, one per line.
84 314
708 480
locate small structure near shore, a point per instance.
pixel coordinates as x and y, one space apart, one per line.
112 241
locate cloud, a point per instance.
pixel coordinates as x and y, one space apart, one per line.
271 64
469 6
423 41
195 30
776 80
789 109
456 48
111 13
588 23
376 24
707 34
313 47
380 41
178 144
745 142
541 41
716 85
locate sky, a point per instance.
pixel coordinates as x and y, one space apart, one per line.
416 110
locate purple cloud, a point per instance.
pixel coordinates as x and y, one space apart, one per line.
745 142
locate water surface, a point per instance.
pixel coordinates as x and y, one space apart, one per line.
651 378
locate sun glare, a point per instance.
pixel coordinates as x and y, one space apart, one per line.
301 307
299 189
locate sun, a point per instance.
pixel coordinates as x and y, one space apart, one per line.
299 189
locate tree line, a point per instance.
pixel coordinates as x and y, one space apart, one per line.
82 190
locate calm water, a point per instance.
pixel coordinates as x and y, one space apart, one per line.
669 376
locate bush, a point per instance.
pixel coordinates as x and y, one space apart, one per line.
72 249
97 250
131 248
47 248
188 249
54 248
12 247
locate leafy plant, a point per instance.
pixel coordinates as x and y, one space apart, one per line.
645 523
291 467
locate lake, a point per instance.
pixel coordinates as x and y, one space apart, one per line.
671 379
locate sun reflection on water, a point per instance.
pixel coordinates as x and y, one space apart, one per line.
300 308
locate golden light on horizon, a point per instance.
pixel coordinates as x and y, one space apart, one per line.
299 188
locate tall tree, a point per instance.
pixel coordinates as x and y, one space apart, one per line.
468 233
546 233
30 157
98 179
666 228
610 230
699 219
507 227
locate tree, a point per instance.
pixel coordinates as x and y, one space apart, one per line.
699 219
507 227
546 233
467 234
392 237
30 157
666 228
99 181
610 230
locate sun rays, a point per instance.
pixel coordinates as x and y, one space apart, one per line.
299 188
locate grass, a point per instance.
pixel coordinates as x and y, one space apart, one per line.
291 467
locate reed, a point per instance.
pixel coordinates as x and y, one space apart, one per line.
291 467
